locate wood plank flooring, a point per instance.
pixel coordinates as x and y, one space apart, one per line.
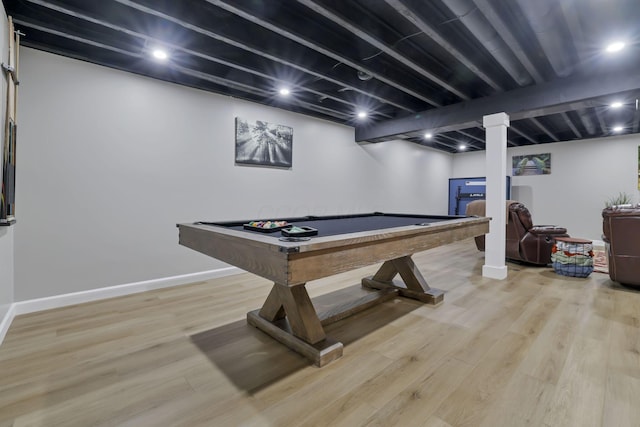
537 349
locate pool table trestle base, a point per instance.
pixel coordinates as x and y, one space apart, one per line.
320 353
415 286
288 315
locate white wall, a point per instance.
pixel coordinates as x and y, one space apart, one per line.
110 162
584 174
6 270
6 233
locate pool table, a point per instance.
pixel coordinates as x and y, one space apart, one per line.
342 243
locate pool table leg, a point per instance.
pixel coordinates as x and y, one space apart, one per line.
294 302
289 317
416 287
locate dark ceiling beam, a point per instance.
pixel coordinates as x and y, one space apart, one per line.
518 50
523 103
501 27
74 38
544 129
252 89
569 123
579 43
603 126
436 37
600 120
586 121
381 46
388 50
433 34
468 14
470 136
503 30
314 46
459 142
437 140
575 28
450 138
522 134
546 30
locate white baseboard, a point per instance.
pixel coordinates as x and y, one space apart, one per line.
494 272
6 321
57 301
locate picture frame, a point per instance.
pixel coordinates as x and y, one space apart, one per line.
261 143
531 164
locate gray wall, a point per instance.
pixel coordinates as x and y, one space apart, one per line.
6 233
584 174
6 270
110 162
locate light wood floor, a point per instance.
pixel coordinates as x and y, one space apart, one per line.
537 349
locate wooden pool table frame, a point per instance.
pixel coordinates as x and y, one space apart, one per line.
288 314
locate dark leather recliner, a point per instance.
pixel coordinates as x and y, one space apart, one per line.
524 241
621 228
527 242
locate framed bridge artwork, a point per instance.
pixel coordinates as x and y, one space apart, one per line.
531 164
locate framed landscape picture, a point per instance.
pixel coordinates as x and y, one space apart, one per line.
263 144
531 164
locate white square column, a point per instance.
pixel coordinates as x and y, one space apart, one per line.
496 165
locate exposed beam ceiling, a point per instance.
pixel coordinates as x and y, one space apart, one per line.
412 65
555 97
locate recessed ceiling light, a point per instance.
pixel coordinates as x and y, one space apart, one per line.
616 104
363 75
618 128
615 47
362 114
160 54
462 147
284 91
428 135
